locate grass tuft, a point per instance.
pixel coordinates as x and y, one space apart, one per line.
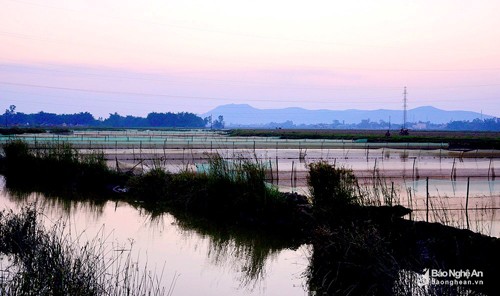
37 261
56 166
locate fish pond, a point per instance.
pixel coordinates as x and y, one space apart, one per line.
189 256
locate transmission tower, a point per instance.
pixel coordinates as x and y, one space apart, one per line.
404 130
405 105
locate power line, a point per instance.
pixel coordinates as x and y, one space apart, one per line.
196 79
170 95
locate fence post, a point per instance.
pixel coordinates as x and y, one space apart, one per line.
467 203
277 171
489 168
453 170
392 191
271 168
427 200
413 170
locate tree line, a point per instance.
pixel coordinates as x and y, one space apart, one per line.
490 124
11 118
182 120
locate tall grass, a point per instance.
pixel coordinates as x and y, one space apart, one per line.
55 166
39 261
330 186
352 253
231 191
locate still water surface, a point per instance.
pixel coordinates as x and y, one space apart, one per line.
201 263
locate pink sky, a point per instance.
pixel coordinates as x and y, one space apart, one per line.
135 57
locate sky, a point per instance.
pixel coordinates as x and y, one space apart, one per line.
135 57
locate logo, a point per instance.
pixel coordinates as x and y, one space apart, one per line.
451 277
424 279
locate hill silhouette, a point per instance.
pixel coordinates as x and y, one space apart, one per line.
244 114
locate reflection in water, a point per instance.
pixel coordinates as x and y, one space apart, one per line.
357 258
245 251
419 284
375 259
57 205
242 255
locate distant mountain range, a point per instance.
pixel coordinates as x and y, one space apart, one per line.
243 114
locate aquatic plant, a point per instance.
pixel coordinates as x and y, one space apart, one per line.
44 261
231 191
56 166
331 187
362 250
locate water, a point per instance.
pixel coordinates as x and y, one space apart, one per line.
202 263
206 261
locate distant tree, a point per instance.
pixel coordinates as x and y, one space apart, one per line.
208 121
156 119
219 122
114 119
490 124
9 113
12 109
183 119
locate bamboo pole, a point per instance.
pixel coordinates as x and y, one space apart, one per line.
467 203
427 200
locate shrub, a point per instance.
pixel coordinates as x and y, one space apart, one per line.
331 187
151 186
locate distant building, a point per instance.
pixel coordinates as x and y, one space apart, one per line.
419 126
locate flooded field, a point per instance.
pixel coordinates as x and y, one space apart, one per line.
457 188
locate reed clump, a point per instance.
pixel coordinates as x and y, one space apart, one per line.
332 190
40 261
230 191
56 166
352 252
361 249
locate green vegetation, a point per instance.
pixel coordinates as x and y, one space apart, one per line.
367 247
365 250
56 167
50 262
330 186
230 192
20 131
233 192
456 140
43 119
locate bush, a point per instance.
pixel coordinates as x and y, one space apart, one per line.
228 191
331 187
152 186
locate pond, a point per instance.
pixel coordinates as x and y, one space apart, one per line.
200 261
